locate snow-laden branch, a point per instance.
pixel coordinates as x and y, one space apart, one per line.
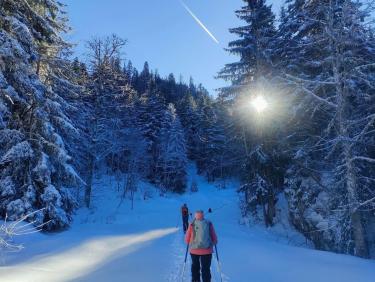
366 128
310 172
316 97
361 158
304 80
300 83
365 66
369 201
372 116
9 98
355 207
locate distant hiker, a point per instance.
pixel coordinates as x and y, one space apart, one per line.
209 210
185 217
201 237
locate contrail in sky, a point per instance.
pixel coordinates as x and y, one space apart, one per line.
199 22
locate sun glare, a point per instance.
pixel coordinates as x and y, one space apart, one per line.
259 104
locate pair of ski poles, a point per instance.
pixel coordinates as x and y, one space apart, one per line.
217 258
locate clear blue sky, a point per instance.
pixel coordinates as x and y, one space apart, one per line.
162 32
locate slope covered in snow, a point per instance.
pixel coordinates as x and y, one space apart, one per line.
114 243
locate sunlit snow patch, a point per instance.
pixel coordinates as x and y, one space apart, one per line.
79 261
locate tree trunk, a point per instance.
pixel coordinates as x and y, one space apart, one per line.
361 249
351 184
245 141
271 210
132 197
89 181
359 237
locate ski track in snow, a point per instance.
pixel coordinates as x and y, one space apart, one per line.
114 243
178 257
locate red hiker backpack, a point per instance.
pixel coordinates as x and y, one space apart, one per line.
184 211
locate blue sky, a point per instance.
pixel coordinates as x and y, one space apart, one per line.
162 32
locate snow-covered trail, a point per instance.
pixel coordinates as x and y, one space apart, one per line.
254 254
146 245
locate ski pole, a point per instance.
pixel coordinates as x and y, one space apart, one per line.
178 220
218 264
183 269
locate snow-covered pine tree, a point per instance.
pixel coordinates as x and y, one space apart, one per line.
329 60
142 81
172 160
190 100
69 89
253 74
79 72
189 116
151 118
254 47
225 152
211 145
35 167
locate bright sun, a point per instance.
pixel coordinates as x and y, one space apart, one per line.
259 104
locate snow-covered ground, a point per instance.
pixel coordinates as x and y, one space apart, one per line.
112 243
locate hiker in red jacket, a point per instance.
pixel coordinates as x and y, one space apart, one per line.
185 217
201 237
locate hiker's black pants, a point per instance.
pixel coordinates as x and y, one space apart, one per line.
201 264
185 222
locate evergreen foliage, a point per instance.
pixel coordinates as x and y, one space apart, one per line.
318 66
35 166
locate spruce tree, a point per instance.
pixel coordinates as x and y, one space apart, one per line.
331 74
253 46
172 157
253 74
151 118
35 166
